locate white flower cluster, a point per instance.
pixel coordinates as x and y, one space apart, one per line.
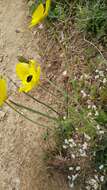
94 183
72 178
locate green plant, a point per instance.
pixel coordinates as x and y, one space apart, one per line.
91 18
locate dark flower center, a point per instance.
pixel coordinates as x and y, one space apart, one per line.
29 78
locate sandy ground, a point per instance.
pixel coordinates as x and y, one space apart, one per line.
21 155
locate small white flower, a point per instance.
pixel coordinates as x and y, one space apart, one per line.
86 76
74 177
71 185
66 141
101 73
89 106
71 145
81 77
97 76
73 156
96 113
96 177
87 136
77 168
94 107
101 167
85 146
89 114
69 177
104 80
64 147
64 117
98 127
101 132
102 178
97 71
71 168
71 140
82 153
88 187
94 183
83 94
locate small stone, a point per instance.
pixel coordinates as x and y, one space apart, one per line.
17 31
64 73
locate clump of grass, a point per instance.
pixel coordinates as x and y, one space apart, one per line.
91 18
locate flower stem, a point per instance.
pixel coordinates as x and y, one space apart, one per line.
20 113
29 95
42 103
32 110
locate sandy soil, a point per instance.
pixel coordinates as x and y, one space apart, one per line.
21 155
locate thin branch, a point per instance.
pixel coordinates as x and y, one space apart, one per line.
94 47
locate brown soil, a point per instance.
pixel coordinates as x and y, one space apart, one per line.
21 154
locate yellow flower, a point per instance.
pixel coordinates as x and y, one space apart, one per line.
29 74
3 91
40 13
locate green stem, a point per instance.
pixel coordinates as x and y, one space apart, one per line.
20 113
29 95
32 110
42 103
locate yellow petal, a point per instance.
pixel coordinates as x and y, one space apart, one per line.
37 15
3 91
33 69
22 69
